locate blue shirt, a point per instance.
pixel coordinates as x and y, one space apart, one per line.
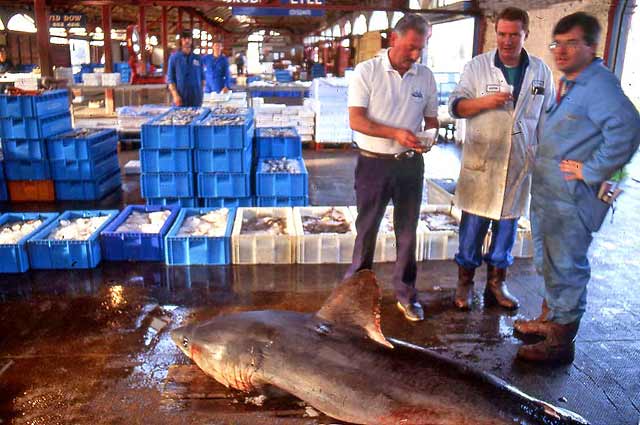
216 72
594 123
185 71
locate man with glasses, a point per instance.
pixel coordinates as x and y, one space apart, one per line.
389 97
503 95
591 131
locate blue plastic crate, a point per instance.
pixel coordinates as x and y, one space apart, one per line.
51 254
84 169
14 257
167 185
156 136
223 161
282 201
227 202
82 144
87 190
26 169
166 160
185 251
133 246
224 185
224 136
282 184
35 128
42 105
283 76
278 147
181 202
33 149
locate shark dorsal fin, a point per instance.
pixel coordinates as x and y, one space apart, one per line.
356 304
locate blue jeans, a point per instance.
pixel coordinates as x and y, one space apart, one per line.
473 230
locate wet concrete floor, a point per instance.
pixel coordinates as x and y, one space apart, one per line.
92 347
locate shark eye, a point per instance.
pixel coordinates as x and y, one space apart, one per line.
185 342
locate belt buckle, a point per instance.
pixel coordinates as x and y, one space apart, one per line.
406 154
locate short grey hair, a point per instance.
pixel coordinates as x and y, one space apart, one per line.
412 21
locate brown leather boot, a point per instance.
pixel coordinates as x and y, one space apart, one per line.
496 291
558 346
537 326
464 290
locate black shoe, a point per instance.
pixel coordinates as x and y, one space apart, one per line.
412 311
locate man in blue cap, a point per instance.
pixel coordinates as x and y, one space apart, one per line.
185 76
216 71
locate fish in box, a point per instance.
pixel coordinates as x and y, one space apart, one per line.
210 224
144 222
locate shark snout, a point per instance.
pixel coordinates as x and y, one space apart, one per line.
180 338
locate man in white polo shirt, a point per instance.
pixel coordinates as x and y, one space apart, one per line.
389 97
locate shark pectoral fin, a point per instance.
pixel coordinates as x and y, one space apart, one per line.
356 304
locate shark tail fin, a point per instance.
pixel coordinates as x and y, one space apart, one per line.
356 304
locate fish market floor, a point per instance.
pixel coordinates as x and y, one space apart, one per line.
92 347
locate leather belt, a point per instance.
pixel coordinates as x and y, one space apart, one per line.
397 156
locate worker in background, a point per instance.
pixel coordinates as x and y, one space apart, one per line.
184 74
589 134
390 96
5 63
240 63
216 71
503 95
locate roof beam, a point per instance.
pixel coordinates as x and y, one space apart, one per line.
220 3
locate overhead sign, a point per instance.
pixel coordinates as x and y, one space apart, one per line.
295 8
67 20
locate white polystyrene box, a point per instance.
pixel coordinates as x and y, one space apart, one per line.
322 248
263 248
440 244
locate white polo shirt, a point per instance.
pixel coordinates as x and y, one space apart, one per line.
392 100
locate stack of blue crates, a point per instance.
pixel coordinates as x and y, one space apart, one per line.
3 184
223 158
124 69
84 164
286 187
25 124
166 158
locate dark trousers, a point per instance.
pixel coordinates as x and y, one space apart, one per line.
377 181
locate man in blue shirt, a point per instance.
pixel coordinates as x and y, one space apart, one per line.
184 76
216 71
590 132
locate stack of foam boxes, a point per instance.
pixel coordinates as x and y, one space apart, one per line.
166 158
25 124
84 164
281 176
223 158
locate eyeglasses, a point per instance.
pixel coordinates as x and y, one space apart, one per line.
571 44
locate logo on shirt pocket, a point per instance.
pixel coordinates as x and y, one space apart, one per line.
196 62
417 96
